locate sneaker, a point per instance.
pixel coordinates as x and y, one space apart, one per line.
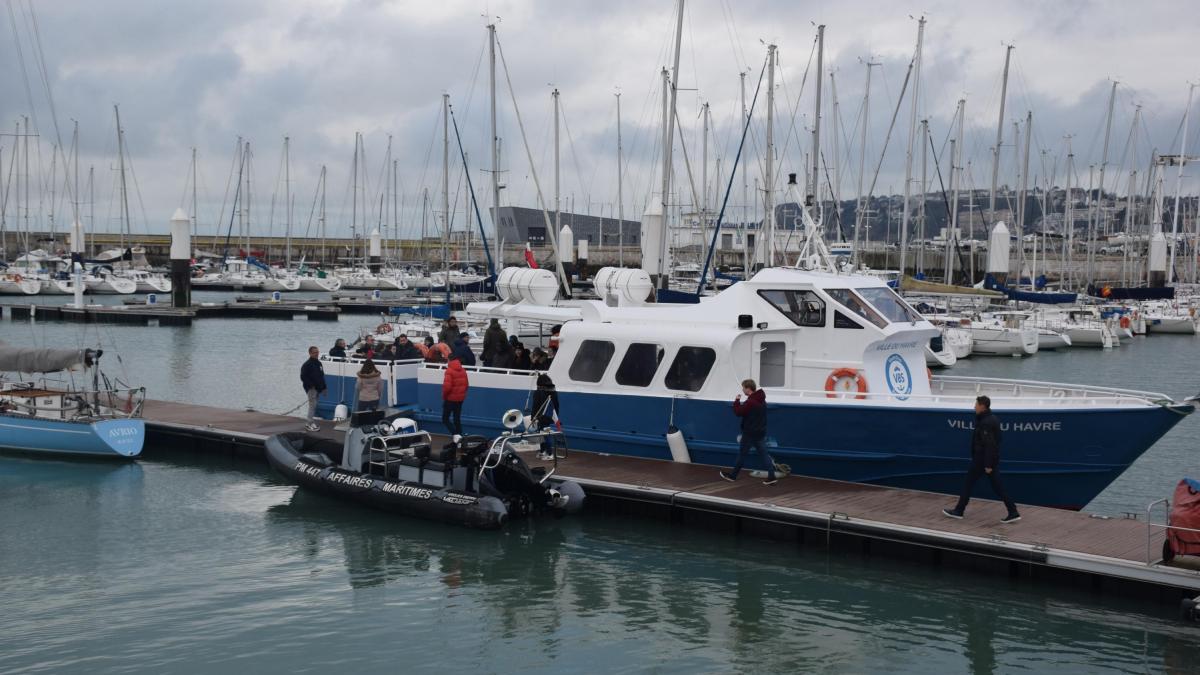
727 476
1010 518
951 513
770 481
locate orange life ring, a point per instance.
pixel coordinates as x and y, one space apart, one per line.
1124 322
841 375
383 328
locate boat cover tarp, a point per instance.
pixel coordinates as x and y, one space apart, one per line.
1122 293
1039 297
1043 297
37 360
433 311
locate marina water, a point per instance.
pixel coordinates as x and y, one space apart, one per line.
186 563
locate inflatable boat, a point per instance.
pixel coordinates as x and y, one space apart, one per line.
390 465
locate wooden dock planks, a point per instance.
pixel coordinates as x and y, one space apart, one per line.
1095 545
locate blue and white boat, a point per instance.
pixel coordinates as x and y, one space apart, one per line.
841 358
47 417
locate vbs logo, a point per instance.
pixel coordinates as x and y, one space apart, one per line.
899 377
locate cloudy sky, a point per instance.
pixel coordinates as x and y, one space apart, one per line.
200 75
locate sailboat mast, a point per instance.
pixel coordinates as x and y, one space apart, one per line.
769 179
1093 230
1179 181
287 192
557 173
1021 199
75 157
912 135
446 187
999 135
704 172
124 193
671 85
620 194
745 191
324 243
498 257
836 197
955 168
920 264
195 211
354 198
816 135
861 205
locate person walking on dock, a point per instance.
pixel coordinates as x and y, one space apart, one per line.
369 387
312 376
985 459
454 392
754 431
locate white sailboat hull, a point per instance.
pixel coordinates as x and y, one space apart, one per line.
9 286
328 284
1002 341
110 285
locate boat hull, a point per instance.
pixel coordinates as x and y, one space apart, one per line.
1050 457
1177 325
116 439
22 287
286 454
328 284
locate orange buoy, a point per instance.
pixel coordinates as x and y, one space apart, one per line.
844 381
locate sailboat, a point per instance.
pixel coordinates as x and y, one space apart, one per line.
46 417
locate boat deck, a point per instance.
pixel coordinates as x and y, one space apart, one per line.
1046 543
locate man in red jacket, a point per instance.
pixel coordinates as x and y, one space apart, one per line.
754 431
454 392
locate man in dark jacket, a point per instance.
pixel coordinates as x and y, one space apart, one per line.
503 357
366 350
312 376
754 430
462 351
449 331
339 349
492 337
985 459
406 350
545 411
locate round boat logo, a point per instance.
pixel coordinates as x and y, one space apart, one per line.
899 377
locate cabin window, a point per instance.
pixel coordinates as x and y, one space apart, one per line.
804 308
591 360
639 364
887 303
690 368
850 300
842 321
772 364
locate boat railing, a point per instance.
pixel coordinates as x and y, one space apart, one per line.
958 390
88 404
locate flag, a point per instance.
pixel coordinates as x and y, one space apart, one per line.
529 257
554 415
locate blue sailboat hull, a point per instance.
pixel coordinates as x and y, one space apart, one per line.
1050 457
118 438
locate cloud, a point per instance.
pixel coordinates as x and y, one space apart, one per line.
202 74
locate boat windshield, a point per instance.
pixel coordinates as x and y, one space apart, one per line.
851 301
889 304
878 305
